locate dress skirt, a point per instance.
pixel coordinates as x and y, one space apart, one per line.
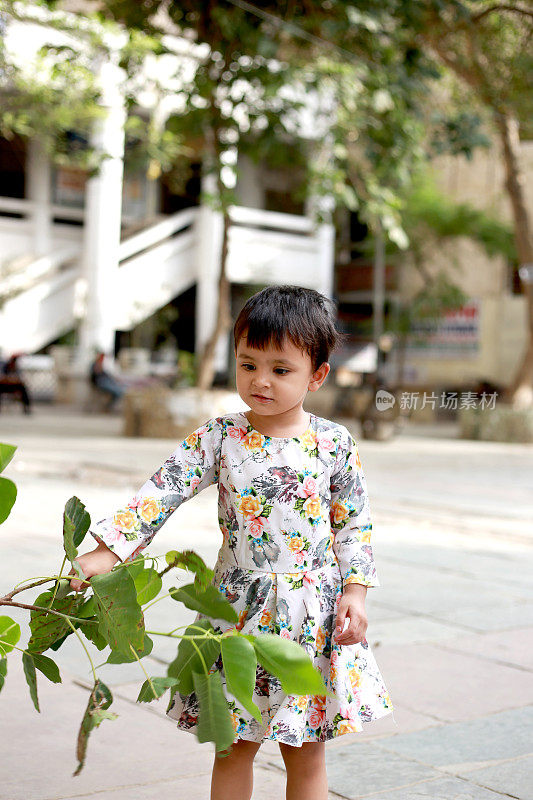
301 606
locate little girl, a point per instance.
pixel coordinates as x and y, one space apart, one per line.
296 558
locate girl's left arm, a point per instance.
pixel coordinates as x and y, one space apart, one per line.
350 517
191 467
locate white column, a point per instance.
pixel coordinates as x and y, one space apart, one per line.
40 193
326 256
102 219
210 229
322 207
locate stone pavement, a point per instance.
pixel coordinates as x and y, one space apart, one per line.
450 626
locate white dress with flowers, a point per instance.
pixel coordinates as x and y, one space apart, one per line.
295 521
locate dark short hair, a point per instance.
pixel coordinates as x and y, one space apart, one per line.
304 316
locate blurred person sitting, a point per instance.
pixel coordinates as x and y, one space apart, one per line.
105 381
11 382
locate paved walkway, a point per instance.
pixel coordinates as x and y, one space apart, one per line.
450 626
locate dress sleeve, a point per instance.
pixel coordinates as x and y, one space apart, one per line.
350 516
191 467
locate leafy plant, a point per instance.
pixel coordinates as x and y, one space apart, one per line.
112 616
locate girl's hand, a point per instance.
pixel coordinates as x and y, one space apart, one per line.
98 561
352 605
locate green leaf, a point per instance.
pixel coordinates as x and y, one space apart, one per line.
99 714
135 567
187 660
120 617
64 587
214 719
8 495
58 642
49 668
3 671
99 699
7 451
208 601
188 559
240 662
47 628
9 634
289 662
31 678
90 628
148 584
76 521
157 685
117 657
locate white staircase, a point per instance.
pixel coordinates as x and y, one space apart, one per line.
42 298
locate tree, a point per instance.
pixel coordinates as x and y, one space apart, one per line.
257 69
369 73
488 47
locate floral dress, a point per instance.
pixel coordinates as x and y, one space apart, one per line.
295 521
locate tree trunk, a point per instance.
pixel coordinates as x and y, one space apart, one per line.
206 368
520 391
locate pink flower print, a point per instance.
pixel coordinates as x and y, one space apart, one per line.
299 558
308 487
256 527
236 433
334 657
316 718
195 482
353 461
349 712
115 534
284 633
309 580
325 442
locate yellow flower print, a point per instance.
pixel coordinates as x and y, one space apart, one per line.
320 640
125 520
242 619
365 535
312 507
295 544
319 701
302 701
266 618
149 509
250 506
355 677
192 440
253 440
347 726
333 674
340 512
234 720
308 439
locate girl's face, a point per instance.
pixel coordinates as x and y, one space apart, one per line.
273 381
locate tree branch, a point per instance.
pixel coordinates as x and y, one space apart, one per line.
501 7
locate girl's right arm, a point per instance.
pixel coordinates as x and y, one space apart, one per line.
191 467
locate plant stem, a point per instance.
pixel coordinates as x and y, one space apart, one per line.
148 678
84 647
201 657
30 586
41 608
57 582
